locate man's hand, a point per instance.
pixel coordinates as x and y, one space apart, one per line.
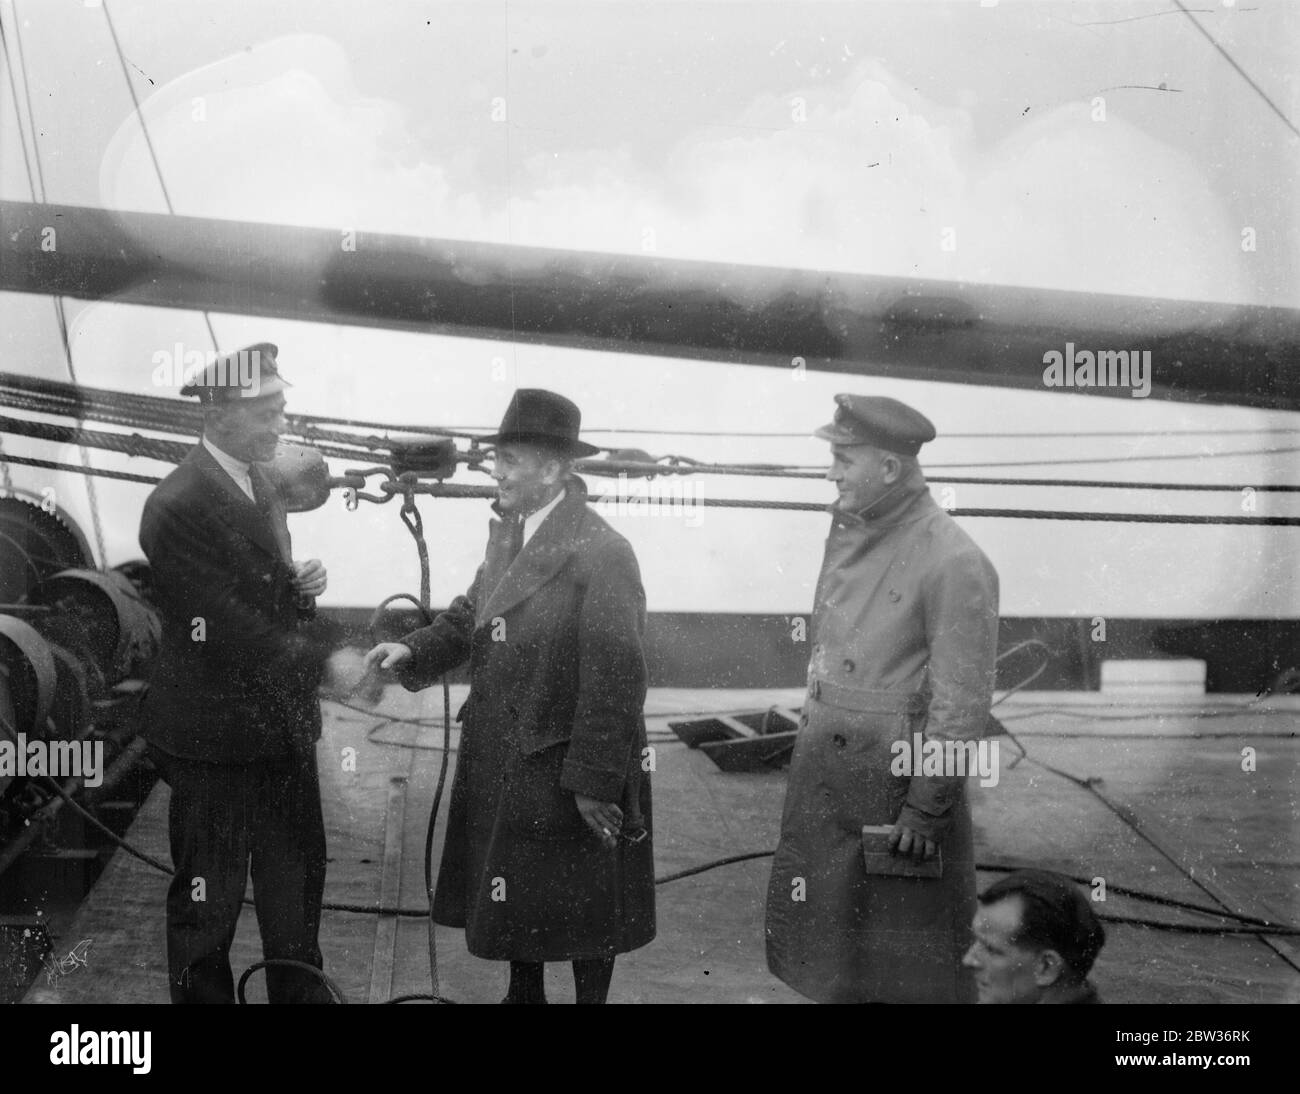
346 677
605 819
386 656
906 841
309 577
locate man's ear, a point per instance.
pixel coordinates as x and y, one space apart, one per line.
552 469
216 421
891 468
1049 967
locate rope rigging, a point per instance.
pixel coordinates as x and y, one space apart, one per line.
158 415
61 319
148 140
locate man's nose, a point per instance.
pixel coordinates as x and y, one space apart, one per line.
833 475
497 472
970 960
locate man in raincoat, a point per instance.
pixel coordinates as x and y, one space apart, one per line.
904 636
548 854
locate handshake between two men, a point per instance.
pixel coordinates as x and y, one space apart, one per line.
547 854
603 818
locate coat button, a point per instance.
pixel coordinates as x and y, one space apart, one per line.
840 740
849 666
266 578
895 596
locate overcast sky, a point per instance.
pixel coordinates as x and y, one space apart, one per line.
843 135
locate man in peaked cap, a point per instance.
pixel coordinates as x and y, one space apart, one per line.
548 855
905 629
249 373
232 716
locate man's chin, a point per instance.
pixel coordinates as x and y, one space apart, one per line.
989 995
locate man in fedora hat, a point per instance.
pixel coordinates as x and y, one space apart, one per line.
231 716
905 630
548 854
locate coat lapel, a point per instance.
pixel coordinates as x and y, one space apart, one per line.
232 505
275 513
542 557
851 541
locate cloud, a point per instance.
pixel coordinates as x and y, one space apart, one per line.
859 175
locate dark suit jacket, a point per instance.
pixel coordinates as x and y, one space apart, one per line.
235 681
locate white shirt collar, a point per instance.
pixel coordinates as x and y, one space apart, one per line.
236 469
534 520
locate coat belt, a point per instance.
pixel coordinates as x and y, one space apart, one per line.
866 700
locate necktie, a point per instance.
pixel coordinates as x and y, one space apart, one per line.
259 492
514 532
262 499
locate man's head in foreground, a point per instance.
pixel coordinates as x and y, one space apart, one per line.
1036 938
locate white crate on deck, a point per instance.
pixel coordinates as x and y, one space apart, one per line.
1176 676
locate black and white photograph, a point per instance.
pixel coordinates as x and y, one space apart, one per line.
703 502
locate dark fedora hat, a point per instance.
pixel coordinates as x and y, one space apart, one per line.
542 417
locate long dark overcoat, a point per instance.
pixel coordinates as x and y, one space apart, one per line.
557 689
904 641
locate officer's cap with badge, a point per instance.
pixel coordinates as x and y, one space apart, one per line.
879 422
248 373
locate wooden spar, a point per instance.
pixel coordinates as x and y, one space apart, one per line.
839 322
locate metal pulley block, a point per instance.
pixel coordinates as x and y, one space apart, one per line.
424 455
301 476
622 455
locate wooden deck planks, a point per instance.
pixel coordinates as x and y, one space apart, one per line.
710 942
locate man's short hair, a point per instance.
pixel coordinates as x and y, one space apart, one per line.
909 464
1054 915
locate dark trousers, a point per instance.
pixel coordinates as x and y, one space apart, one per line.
222 818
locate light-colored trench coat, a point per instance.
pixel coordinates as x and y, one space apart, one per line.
904 637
